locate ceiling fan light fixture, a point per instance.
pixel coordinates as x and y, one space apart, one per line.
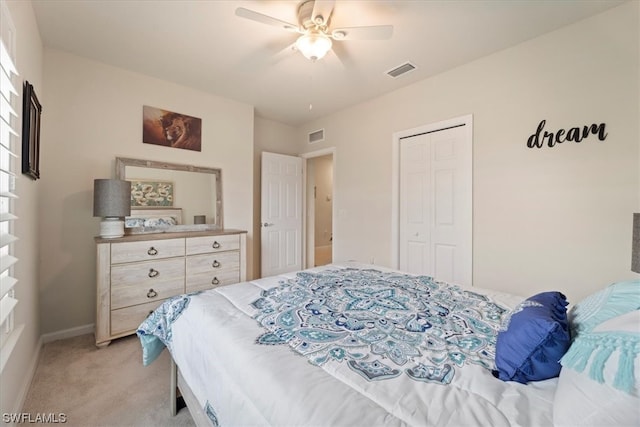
313 45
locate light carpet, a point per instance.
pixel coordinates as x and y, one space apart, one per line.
102 387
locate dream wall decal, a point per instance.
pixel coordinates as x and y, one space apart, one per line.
575 134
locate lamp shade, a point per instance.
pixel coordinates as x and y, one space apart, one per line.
314 45
111 198
635 245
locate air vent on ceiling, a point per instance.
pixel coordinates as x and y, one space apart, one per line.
316 136
402 69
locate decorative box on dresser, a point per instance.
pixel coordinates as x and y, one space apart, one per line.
135 273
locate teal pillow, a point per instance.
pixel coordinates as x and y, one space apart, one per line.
533 340
592 348
612 301
609 354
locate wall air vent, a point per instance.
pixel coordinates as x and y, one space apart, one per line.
402 69
316 136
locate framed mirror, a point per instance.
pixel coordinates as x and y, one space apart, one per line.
171 195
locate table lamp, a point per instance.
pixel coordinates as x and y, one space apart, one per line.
112 202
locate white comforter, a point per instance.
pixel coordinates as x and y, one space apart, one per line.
242 383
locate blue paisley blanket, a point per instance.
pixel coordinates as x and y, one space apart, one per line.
381 345
381 324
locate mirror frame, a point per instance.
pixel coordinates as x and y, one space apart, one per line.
123 162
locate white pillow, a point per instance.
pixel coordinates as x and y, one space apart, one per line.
582 401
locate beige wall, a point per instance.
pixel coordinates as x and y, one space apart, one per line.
21 365
93 114
273 137
549 218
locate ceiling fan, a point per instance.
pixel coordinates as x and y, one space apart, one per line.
316 37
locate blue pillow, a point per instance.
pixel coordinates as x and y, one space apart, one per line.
533 340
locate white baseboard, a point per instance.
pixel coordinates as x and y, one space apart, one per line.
68 333
31 373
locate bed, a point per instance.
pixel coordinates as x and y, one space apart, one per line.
149 218
356 345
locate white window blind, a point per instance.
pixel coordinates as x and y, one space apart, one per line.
9 333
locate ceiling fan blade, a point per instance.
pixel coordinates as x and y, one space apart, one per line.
288 51
341 54
322 11
265 19
375 32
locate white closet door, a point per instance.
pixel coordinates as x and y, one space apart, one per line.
436 205
415 186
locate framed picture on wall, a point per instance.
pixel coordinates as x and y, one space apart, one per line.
176 130
31 112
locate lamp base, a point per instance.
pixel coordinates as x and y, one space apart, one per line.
111 228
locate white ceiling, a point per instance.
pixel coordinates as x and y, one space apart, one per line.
204 45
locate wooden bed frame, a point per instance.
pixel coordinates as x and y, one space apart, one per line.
178 384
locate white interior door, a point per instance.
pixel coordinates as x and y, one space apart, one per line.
281 214
435 236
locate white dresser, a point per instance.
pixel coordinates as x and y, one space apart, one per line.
136 273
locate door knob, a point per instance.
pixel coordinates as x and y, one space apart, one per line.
267 224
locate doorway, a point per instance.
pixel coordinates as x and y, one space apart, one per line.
319 208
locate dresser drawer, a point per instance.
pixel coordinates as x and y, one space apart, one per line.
146 250
128 319
202 281
211 263
211 270
140 282
209 244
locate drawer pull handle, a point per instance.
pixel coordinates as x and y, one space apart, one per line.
152 251
152 293
215 264
215 281
216 245
153 273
